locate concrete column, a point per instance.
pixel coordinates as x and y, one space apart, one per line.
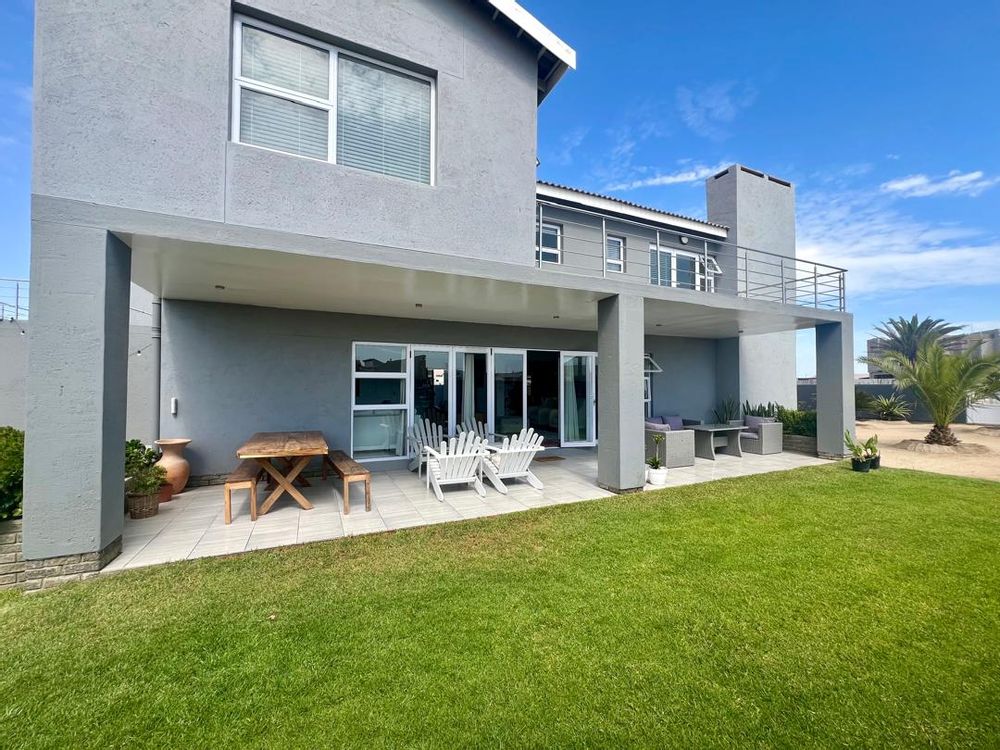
621 447
78 354
834 387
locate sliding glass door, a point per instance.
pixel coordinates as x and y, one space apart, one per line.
577 399
472 385
431 385
510 390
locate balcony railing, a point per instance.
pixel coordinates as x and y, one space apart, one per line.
668 257
13 299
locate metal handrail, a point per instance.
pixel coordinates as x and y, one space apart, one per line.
752 273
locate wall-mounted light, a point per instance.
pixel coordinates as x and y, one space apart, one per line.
219 286
684 240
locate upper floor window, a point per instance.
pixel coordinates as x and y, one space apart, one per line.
549 243
304 97
614 254
682 269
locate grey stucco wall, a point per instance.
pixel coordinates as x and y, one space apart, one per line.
760 214
164 147
13 372
687 385
238 370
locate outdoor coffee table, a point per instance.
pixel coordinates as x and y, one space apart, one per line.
294 450
710 439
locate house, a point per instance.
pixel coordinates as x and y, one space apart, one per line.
335 207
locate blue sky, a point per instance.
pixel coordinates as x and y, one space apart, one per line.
885 116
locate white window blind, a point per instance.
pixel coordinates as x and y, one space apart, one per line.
284 125
305 97
383 120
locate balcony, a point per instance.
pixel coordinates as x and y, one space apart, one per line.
612 246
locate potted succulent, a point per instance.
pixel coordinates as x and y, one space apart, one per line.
139 456
656 474
860 458
143 494
871 445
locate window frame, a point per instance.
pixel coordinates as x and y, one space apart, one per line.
620 238
704 274
329 104
558 251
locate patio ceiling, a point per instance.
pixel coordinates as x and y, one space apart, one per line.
177 269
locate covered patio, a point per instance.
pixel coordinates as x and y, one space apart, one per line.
192 525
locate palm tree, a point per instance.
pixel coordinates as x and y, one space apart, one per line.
907 336
945 383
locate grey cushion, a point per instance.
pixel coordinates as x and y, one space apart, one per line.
657 426
750 435
676 423
654 420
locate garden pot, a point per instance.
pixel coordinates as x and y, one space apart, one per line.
143 506
875 462
657 477
166 492
862 465
177 467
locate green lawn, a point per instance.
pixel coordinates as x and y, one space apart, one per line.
811 608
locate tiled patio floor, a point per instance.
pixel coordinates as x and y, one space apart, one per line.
192 525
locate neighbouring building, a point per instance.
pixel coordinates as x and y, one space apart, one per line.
333 209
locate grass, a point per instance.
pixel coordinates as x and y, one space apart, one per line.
811 608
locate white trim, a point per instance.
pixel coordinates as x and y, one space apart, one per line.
558 251
606 205
536 30
608 261
330 103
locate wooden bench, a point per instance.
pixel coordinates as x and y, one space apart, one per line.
243 477
350 471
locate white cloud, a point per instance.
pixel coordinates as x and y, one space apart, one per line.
708 111
568 144
884 250
696 173
955 183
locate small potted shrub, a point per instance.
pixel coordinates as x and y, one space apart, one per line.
138 457
875 458
860 458
143 496
656 474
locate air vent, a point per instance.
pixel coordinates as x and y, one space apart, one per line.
752 171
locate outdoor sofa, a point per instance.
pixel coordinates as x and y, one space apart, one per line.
760 435
677 448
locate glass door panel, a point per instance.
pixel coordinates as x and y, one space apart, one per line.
509 391
471 387
577 399
431 375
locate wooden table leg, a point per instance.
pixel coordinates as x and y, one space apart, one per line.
368 492
302 481
347 496
285 484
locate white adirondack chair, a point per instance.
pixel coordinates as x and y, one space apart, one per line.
458 461
423 434
512 460
478 428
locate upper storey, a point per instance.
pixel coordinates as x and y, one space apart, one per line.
409 124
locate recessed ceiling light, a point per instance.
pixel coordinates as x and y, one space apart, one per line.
219 286
419 304
659 325
555 317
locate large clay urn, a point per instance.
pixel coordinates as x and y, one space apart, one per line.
177 467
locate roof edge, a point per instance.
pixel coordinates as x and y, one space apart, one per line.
607 203
537 31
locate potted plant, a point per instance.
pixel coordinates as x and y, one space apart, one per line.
860 458
656 474
143 495
871 446
138 457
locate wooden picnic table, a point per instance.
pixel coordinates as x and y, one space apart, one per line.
294 450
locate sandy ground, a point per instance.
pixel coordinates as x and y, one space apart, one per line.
968 461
